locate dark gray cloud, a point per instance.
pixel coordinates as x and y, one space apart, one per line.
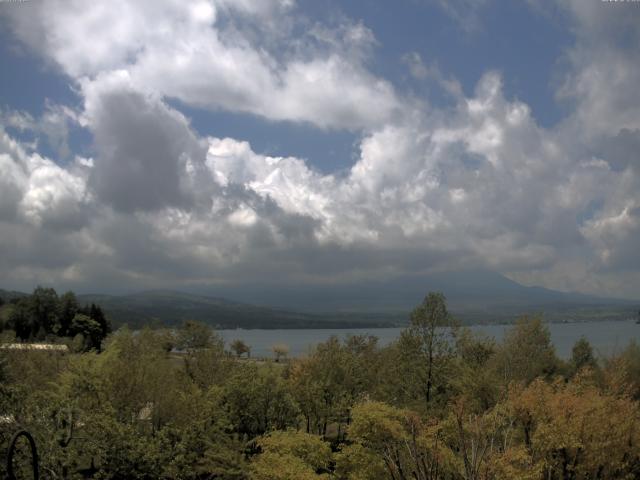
142 151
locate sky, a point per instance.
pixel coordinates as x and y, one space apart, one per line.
208 145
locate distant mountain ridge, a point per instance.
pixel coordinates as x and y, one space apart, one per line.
169 308
8 295
465 291
474 296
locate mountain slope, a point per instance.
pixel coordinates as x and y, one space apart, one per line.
465 290
171 308
8 295
475 296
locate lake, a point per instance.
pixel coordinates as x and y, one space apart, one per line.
606 337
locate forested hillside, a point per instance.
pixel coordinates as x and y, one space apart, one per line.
44 315
164 308
170 308
439 403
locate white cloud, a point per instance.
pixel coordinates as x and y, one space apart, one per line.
485 185
477 184
38 190
185 53
53 195
602 83
53 126
465 12
12 186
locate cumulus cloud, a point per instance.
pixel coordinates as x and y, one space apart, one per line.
12 180
38 190
146 151
602 81
52 127
213 65
43 211
479 184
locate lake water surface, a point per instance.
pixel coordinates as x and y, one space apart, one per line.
606 337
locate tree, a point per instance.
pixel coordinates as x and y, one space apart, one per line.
582 355
280 350
576 431
21 321
205 362
89 329
355 462
622 372
475 438
201 450
527 352
194 335
43 314
208 366
240 348
288 455
68 309
429 342
334 377
258 400
474 376
98 315
408 447
43 306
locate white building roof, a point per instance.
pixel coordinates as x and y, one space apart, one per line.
34 346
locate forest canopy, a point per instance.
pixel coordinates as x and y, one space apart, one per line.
44 315
439 403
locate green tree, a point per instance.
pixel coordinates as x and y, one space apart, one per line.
44 307
240 348
89 330
409 447
582 355
288 455
98 315
205 361
67 311
139 379
355 462
43 314
194 335
209 366
202 450
527 352
21 321
474 375
328 382
428 344
258 400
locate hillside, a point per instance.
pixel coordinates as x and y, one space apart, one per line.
8 295
171 308
473 297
